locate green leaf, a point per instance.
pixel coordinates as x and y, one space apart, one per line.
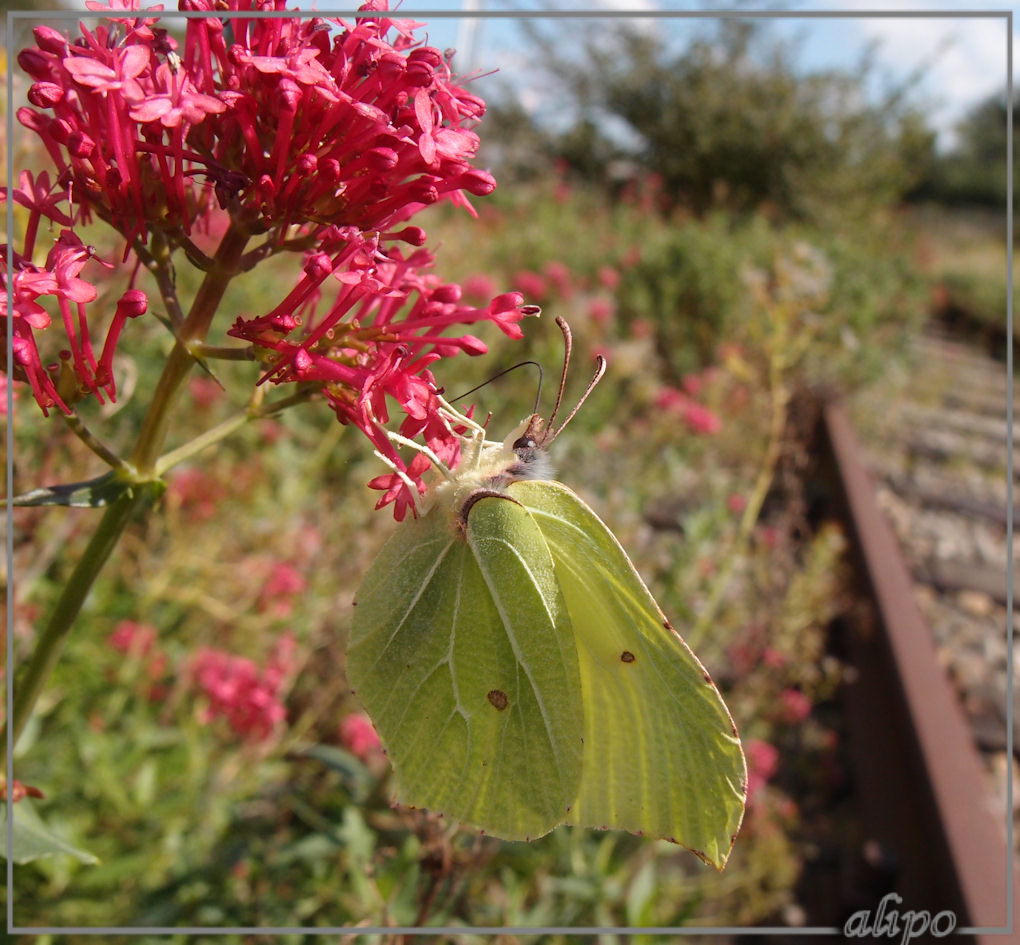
358 779
202 362
34 840
90 494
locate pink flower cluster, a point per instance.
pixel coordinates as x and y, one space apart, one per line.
131 637
311 135
281 584
382 330
248 697
196 491
58 277
289 122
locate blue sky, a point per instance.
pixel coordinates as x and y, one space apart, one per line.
964 59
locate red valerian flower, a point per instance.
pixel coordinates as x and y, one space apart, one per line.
129 636
313 135
382 331
282 583
795 705
317 122
60 277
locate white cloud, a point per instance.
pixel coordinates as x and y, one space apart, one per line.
963 59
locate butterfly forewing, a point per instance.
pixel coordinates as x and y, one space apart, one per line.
661 754
462 654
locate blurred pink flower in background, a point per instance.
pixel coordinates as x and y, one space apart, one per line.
608 277
249 698
642 328
601 311
762 764
531 285
559 277
479 287
699 418
358 736
631 258
195 491
692 384
205 391
736 502
131 637
279 589
138 640
670 398
795 705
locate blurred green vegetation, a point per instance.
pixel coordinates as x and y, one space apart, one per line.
973 172
727 120
195 826
743 262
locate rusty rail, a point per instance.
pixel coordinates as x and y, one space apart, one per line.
915 759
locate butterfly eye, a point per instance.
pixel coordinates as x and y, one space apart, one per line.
525 443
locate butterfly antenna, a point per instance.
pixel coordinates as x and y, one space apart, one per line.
600 370
568 346
494 377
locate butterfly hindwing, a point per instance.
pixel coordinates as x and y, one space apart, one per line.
661 754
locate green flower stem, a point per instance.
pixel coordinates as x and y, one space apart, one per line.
194 329
51 641
219 432
762 484
94 443
140 471
222 430
222 352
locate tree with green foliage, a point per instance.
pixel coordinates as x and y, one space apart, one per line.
728 120
974 170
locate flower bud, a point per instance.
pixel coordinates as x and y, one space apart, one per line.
132 303
477 182
49 40
506 302
381 159
35 63
80 145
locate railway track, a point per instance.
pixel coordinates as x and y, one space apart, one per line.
917 468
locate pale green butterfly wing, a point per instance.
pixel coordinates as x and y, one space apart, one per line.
462 654
661 753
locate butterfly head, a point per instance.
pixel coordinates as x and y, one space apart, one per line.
531 459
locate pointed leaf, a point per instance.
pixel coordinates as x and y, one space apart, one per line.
34 840
91 494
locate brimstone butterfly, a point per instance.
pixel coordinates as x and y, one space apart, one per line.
521 676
